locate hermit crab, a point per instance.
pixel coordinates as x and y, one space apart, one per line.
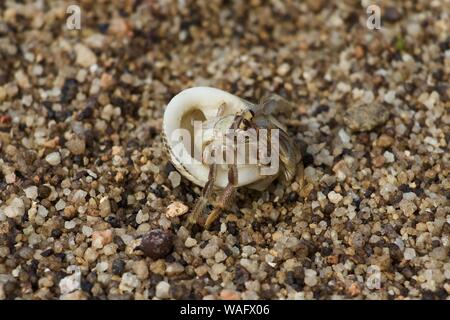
221 142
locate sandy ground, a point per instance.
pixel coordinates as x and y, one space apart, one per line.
84 182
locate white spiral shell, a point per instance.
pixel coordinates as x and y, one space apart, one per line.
203 103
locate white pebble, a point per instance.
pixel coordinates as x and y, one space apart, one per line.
70 224
310 277
209 251
16 208
389 156
87 231
70 283
190 242
409 254
42 211
85 56
60 205
31 192
162 290
334 197
343 135
53 158
389 97
128 282
176 209
175 178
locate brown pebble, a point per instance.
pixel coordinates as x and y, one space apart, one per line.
378 161
358 52
157 244
227 294
44 191
385 141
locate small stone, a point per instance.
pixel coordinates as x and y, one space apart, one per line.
365 117
354 290
209 251
76 146
90 255
70 224
162 290
140 269
10 178
44 191
60 205
334 197
87 231
118 267
175 179
106 80
128 282
378 161
157 244
176 209
102 237
250 265
84 56
174 269
31 192
283 69
409 254
70 212
343 135
104 207
315 5
190 242
227 294
42 211
220 256
408 207
22 79
70 283
310 277
79 196
439 253
389 156
358 52
16 208
385 141
53 158
389 97
2 93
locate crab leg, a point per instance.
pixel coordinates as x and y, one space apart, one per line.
226 197
205 196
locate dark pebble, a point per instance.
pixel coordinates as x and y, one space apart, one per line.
118 267
329 208
69 90
44 191
308 160
10 289
293 197
232 228
320 109
179 292
56 233
86 286
86 113
157 244
391 14
47 252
